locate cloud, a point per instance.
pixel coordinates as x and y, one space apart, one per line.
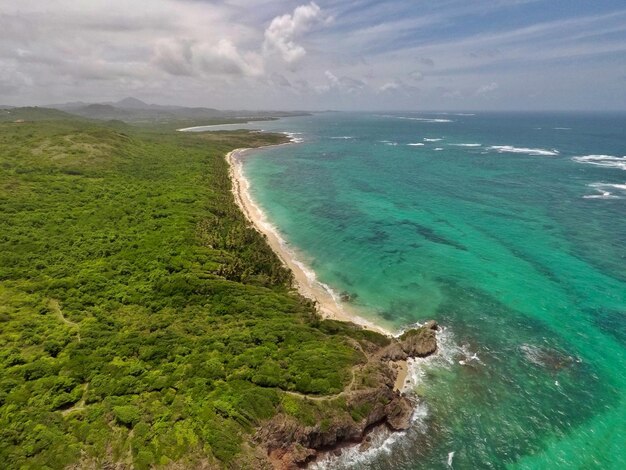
416 75
279 80
174 56
11 80
493 86
282 32
332 78
485 53
390 86
185 57
223 53
225 58
341 84
448 93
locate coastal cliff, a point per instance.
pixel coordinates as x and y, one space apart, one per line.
372 399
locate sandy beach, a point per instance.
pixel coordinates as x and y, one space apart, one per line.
306 284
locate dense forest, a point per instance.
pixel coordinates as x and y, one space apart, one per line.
142 320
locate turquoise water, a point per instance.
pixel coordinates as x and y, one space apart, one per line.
517 245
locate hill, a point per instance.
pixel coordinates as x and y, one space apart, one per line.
136 111
131 103
33 114
102 111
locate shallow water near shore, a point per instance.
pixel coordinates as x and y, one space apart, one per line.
507 228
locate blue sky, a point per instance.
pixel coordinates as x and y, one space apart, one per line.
351 54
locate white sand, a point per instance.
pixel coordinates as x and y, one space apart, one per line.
305 282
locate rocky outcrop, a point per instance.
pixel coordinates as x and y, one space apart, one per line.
347 417
417 342
421 342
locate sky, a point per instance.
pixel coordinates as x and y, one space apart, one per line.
334 54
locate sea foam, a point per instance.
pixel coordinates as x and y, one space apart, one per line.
607 191
415 118
383 441
607 161
466 145
424 119
431 140
293 137
527 151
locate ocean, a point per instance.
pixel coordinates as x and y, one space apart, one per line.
509 229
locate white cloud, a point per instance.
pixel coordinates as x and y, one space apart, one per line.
342 84
186 57
277 79
493 86
224 57
390 86
174 56
332 78
224 53
281 34
417 76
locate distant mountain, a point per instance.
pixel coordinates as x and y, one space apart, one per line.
101 111
135 110
132 110
33 113
67 106
132 103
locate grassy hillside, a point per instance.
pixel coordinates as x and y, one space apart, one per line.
33 114
141 320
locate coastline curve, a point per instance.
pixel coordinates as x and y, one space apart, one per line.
305 280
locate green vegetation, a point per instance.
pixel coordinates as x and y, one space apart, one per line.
141 319
33 114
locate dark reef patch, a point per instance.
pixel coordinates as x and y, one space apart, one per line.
432 236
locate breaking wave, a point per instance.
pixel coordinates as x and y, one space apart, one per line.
527 151
607 161
416 118
293 137
607 191
382 440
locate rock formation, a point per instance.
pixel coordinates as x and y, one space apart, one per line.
368 402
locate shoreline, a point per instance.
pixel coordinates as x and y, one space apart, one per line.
304 279
328 306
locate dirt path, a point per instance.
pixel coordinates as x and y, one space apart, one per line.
398 385
80 405
345 391
54 305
